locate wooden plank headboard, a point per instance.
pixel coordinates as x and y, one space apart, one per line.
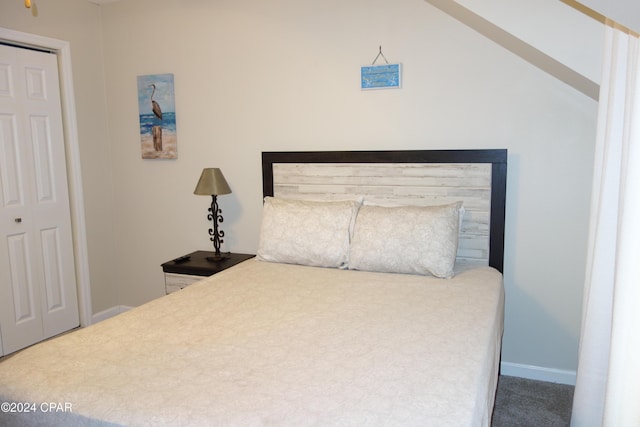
421 177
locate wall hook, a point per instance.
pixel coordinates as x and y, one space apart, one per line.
378 56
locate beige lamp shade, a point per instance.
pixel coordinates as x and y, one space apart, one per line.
212 183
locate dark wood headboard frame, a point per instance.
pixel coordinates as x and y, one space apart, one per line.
497 158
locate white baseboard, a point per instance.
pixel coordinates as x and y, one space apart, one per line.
110 312
538 373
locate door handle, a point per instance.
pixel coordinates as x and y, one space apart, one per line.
18 220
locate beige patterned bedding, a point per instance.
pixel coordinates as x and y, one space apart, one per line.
266 344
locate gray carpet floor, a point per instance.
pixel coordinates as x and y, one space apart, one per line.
523 402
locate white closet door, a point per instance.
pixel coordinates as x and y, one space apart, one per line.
37 273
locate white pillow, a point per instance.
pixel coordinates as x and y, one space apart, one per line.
315 233
391 204
407 239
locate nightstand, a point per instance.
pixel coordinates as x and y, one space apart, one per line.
180 274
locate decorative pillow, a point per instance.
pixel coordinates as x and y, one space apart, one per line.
407 239
315 233
391 204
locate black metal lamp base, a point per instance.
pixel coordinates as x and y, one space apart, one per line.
215 215
218 257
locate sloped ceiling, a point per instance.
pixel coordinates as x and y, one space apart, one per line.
624 12
528 31
505 22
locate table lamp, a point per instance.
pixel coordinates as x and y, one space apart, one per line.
212 183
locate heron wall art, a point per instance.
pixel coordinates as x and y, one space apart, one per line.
156 106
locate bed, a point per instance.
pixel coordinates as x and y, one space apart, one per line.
339 320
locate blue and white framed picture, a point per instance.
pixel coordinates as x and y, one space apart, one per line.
157 110
388 76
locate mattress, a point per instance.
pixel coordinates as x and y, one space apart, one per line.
264 344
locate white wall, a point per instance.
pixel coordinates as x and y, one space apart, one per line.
253 76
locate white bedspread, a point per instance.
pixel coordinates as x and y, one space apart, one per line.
265 344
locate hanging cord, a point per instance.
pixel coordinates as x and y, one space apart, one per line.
379 55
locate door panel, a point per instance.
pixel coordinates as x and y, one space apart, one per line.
26 324
41 138
53 268
37 269
10 175
21 280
